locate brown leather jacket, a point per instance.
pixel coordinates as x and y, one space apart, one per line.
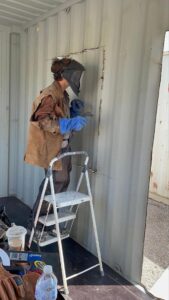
44 137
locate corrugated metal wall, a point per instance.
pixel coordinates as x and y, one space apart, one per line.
14 111
159 181
129 35
4 108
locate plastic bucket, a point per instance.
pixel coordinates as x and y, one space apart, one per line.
16 237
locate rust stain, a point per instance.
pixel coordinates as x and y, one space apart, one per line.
155 185
99 120
102 82
103 68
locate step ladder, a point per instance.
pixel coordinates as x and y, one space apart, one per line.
70 200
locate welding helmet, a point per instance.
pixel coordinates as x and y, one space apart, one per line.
69 69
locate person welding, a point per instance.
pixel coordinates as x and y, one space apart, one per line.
51 124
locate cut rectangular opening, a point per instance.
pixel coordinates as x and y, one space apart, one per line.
156 255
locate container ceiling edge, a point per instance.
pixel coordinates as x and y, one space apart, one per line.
52 12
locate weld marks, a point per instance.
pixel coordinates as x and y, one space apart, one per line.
102 82
84 50
99 119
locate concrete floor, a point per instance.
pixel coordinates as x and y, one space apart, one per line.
156 247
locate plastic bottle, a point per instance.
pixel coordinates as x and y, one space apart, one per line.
46 286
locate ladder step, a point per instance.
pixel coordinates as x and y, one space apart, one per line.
50 239
63 217
68 198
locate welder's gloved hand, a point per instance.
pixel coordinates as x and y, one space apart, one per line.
76 108
76 124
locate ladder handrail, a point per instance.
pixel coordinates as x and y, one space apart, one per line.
69 154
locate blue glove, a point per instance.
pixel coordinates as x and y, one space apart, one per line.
76 108
67 125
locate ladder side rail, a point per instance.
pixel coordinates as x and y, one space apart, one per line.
55 210
71 208
44 224
79 181
38 211
94 223
84 168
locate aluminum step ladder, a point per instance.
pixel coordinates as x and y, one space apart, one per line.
70 200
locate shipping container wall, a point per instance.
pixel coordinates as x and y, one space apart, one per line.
120 43
159 180
14 86
4 108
